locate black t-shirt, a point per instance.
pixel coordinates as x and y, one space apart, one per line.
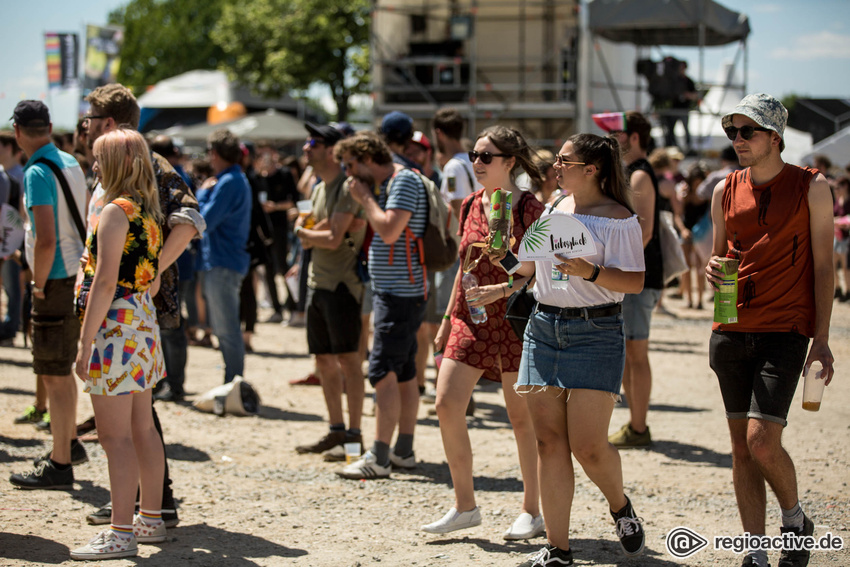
280 187
654 278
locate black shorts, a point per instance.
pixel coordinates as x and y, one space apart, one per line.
758 372
333 321
55 329
396 321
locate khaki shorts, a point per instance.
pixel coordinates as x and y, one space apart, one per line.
55 329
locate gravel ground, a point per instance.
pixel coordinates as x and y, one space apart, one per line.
246 498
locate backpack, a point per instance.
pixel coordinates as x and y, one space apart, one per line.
438 247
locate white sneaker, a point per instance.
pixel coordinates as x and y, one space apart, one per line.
526 526
403 462
366 467
148 534
454 520
106 545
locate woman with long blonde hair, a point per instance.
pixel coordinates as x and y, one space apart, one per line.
120 358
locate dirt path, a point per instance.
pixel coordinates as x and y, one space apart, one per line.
246 498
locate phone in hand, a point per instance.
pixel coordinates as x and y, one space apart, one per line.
510 263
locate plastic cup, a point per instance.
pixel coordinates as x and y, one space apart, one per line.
352 452
304 207
814 382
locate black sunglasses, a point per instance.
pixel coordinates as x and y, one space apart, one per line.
747 132
313 142
485 157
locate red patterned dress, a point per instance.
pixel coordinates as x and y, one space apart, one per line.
491 346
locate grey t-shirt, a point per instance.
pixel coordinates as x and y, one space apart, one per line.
329 268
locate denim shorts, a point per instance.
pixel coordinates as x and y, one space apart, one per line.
758 372
396 321
637 313
572 353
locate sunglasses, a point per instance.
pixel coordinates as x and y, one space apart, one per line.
561 159
485 157
747 132
313 142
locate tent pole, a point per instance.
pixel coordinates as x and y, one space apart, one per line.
473 68
746 64
585 53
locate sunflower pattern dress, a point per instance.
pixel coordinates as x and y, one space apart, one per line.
126 354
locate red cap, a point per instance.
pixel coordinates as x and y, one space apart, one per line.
422 140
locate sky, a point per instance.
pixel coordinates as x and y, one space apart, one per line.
794 47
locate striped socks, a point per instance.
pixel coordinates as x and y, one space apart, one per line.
150 518
122 532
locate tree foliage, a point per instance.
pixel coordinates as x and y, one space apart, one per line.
274 46
163 38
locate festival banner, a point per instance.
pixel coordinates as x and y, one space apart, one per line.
62 52
103 49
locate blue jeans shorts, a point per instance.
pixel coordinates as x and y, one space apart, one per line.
637 313
572 353
396 321
757 372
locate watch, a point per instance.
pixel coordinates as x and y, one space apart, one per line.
36 289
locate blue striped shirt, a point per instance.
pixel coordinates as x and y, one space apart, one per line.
407 193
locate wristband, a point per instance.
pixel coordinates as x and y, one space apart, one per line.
297 228
596 269
446 317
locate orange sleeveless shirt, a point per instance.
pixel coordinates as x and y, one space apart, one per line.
768 226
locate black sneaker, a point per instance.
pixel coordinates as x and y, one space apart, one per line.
750 562
629 529
797 557
104 516
78 454
329 441
549 556
44 476
166 394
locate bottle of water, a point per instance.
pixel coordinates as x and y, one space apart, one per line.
479 314
559 280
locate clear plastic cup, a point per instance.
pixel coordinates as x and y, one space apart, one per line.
352 452
304 207
814 382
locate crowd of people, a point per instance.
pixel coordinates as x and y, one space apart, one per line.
121 239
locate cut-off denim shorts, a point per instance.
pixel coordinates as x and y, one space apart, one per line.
572 353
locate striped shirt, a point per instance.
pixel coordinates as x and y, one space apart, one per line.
407 194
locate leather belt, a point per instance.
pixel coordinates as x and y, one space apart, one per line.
582 312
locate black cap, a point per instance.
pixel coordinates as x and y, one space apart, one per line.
328 134
31 113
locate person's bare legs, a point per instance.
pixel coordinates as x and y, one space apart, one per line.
387 407
62 401
409 406
114 415
454 388
355 386
548 410
149 452
758 456
588 416
637 382
526 443
40 394
331 379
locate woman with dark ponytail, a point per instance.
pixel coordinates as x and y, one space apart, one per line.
574 347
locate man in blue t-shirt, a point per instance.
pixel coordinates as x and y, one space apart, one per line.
227 210
396 206
54 246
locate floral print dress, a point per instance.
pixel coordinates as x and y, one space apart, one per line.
126 354
492 345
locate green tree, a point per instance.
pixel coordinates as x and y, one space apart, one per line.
163 38
274 46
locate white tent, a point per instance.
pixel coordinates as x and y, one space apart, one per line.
835 147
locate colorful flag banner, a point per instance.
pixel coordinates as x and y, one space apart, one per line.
62 52
103 49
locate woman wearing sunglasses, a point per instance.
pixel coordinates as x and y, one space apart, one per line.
574 345
120 357
489 349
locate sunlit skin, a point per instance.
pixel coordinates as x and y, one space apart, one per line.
756 149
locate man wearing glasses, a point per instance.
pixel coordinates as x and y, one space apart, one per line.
775 218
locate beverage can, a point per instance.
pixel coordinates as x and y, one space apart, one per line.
726 297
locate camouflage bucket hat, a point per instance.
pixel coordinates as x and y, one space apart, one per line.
762 109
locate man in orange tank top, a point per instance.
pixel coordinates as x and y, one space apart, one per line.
774 217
